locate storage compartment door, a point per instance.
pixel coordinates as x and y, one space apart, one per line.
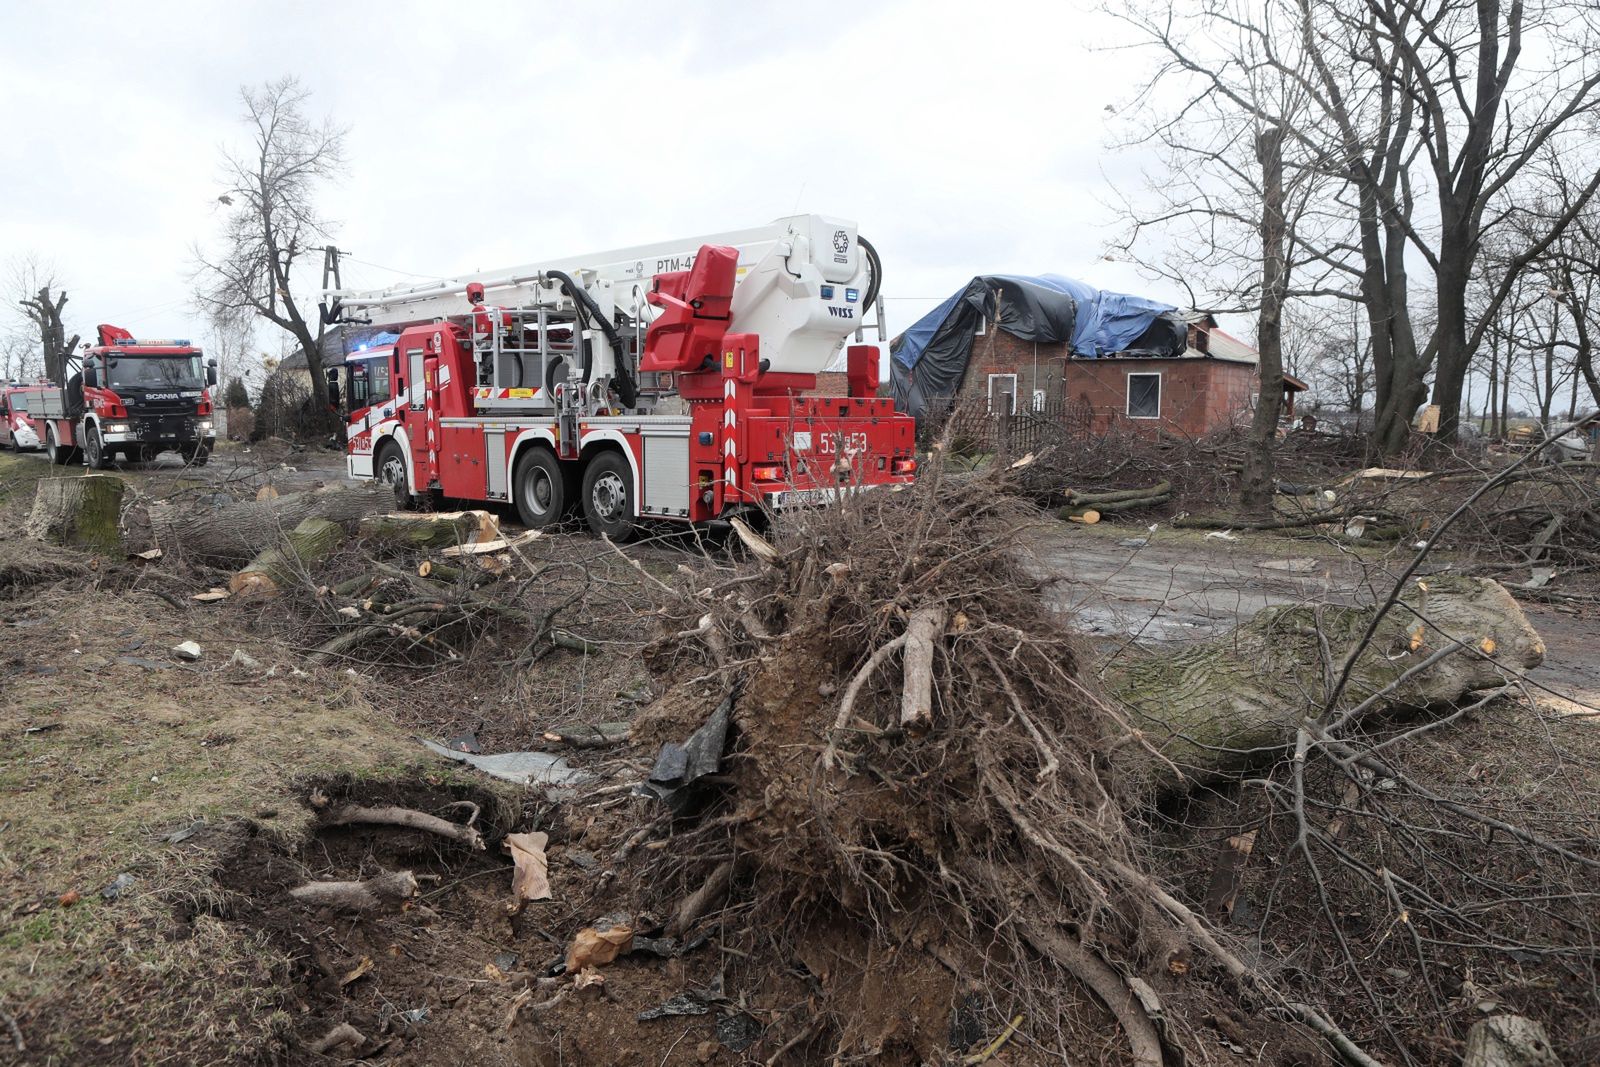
666 476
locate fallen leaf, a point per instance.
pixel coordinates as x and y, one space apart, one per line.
211 595
494 973
361 968
532 878
266 492
69 898
149 553
595 948
1487 646
588 977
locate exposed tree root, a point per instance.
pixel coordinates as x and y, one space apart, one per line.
384 891
354 814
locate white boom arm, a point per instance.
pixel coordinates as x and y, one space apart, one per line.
802 287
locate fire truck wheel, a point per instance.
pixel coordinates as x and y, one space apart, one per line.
94 450
58 454
391 468
540 488
608 497
195 455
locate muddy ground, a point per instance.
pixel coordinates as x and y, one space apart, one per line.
157 811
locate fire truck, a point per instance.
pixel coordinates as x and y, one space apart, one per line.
669 382
19 415
131 397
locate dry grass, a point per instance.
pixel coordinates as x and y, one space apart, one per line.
102 758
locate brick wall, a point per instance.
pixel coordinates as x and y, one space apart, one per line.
1036 366
1197 395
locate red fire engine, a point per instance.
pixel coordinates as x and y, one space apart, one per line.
133 397
20 421
657 383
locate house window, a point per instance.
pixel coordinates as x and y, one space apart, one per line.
1003 393
983 326
1144 396
1038 400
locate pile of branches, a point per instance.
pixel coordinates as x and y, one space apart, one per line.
922 773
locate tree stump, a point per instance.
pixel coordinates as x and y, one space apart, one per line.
85 512
312 540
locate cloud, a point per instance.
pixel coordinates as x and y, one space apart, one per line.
963 138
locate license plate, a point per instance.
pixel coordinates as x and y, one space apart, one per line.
789 498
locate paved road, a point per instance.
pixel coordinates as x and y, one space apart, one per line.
1183 586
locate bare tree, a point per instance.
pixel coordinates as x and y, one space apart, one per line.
1226 187
1433 118
232 340
272 218
43 302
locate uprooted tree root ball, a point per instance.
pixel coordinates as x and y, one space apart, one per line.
926 863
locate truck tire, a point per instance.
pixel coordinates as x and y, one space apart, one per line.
94 450
539 489
608 497
196 455
59 454
389 467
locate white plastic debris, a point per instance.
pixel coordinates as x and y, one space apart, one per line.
241 658
188 650
1222 535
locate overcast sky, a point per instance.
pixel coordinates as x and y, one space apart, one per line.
964 138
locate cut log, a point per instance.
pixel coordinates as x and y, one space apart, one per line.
1077 513
1087 516
1509 1041
234 533
441 530
312 540
84 512
1217 708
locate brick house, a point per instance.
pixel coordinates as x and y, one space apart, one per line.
1211 385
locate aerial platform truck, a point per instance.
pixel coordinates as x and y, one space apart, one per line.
672 382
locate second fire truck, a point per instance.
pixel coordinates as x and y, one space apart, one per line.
666 382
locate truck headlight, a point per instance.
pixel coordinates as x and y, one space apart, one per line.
204 424
117 427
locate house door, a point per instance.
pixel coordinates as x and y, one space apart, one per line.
1002 394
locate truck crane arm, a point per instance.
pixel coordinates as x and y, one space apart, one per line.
803 284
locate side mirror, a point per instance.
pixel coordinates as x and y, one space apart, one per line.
91 377
211 373
333 386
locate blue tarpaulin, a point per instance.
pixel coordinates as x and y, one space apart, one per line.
930 358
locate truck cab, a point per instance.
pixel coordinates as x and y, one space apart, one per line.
364 390
134 398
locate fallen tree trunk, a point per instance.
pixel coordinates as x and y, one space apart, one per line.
1283 522
1216 708
439 530
1117 495
312 540
84 512
236 532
